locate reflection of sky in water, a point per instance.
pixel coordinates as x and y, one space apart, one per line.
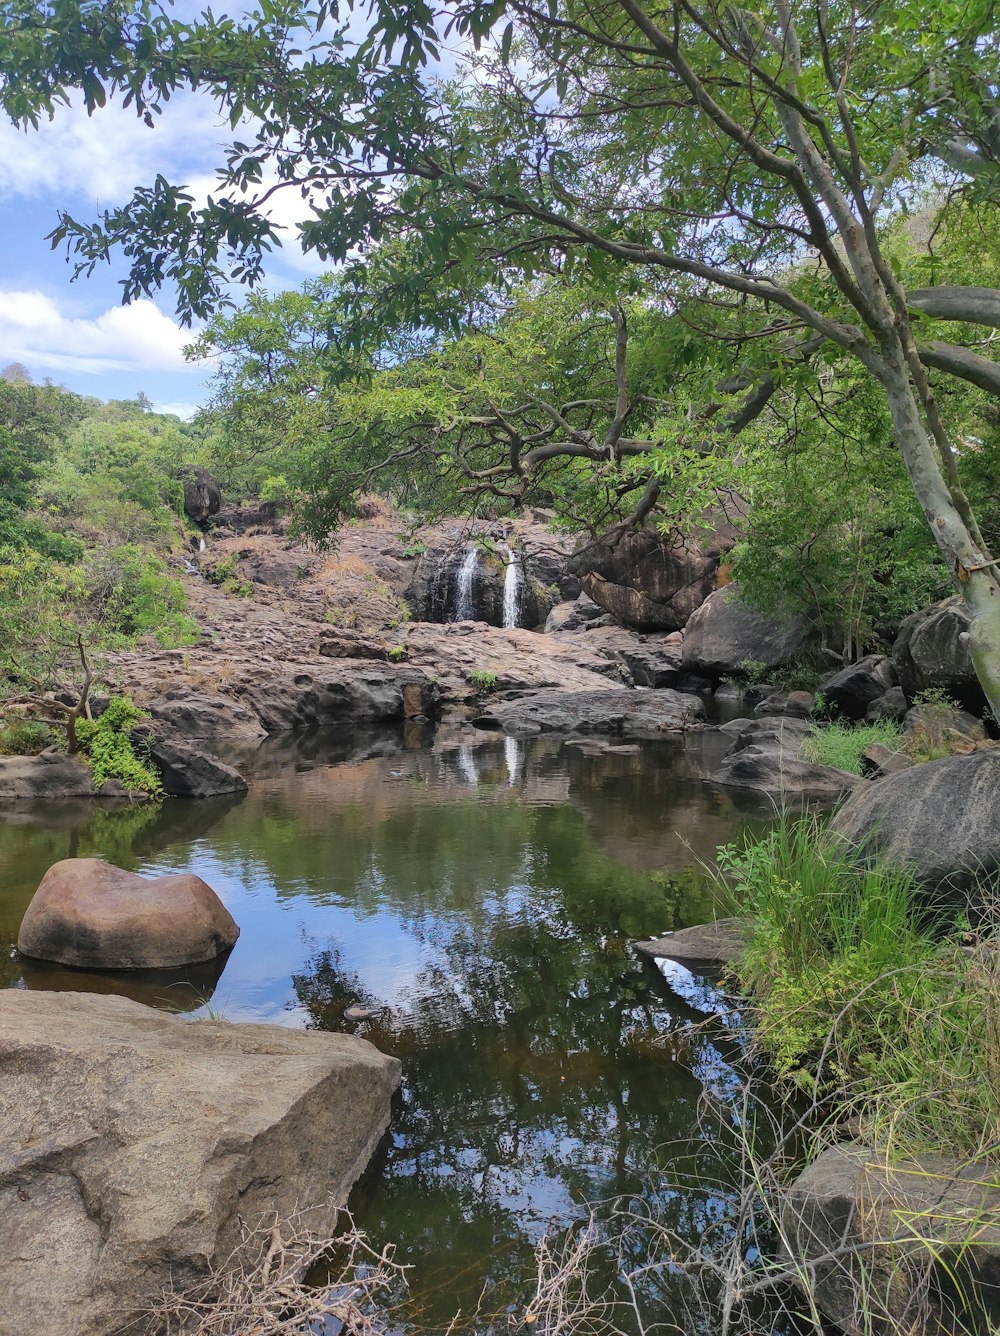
484 895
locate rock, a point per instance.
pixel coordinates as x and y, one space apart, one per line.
796 704
716 943
648 660
891 706
627 714
853 689
351 645
310 696
858 1226
92 915
573 616
202 495
940 726
878 760
136 1147
194 715
939 818
189 772
50 775
766 756
724 634
654 583
930 652
432 594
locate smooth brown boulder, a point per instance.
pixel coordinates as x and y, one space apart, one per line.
93 915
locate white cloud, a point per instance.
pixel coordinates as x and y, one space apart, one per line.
182 410
139 337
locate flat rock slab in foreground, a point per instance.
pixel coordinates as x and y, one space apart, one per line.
902 1236
627 714
132 1145
715 943
93 915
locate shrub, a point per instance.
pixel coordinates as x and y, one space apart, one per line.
399 654
25 737
483 682
107 744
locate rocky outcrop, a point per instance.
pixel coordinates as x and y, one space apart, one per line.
187 771
626 714
877 760
931 651
92 915
202 495
717 943
575 615
891 706
51 775
654 583
197 715
919 1240
724 634
433 592
938 819
645 660
766 757
850 692
137 1149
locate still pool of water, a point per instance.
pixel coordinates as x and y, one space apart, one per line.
482 894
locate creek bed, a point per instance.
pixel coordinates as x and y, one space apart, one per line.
479 894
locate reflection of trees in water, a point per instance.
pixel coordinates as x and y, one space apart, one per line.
543 1067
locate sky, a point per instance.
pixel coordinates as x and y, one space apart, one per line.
78 334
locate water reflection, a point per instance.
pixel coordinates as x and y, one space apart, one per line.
481 894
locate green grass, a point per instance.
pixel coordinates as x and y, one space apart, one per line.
862 995
841 744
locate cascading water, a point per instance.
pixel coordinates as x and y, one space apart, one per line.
513 589
201 544
465 600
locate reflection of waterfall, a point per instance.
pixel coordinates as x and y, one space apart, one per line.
467 765
465 603
513 587
511 753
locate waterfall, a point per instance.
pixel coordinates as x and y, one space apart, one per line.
465 604
201 543
513 588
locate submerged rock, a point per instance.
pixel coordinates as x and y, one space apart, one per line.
92 915
137 1150
716 943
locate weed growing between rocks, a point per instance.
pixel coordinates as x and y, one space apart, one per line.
841 745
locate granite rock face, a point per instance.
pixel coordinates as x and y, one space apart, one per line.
134 1146
724 634
92 915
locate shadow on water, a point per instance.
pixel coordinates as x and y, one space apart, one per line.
480 894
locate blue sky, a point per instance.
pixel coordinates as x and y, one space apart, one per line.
78 333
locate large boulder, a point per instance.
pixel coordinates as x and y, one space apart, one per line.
627 714
913 1247
725 634
45 777
202 495
138 1150
191 772
652 582
931 651
940 819
194 714
576 615
766 757
93 915
850 692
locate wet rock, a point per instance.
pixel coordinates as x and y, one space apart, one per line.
716 943
187 771
202 495
891 706
857 1225
931 652
724 634
137 1149
853 689
48 776
939 818
92 915
766 757
627 714
310 697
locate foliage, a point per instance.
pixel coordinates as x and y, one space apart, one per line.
399 654
483 682
108 744
841 744
24 737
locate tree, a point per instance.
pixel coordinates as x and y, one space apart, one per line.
734 157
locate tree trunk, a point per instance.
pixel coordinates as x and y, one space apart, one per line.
972 573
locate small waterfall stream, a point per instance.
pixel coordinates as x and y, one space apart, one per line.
513 589
201 543
465 593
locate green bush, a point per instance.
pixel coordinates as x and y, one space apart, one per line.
399 654
841 745
134 596
107 744
483 682
24 737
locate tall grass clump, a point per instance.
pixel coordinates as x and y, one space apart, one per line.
866 996
841 744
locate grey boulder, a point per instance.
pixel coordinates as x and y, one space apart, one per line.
724 633
850 692
627 714
931 651
136 1150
